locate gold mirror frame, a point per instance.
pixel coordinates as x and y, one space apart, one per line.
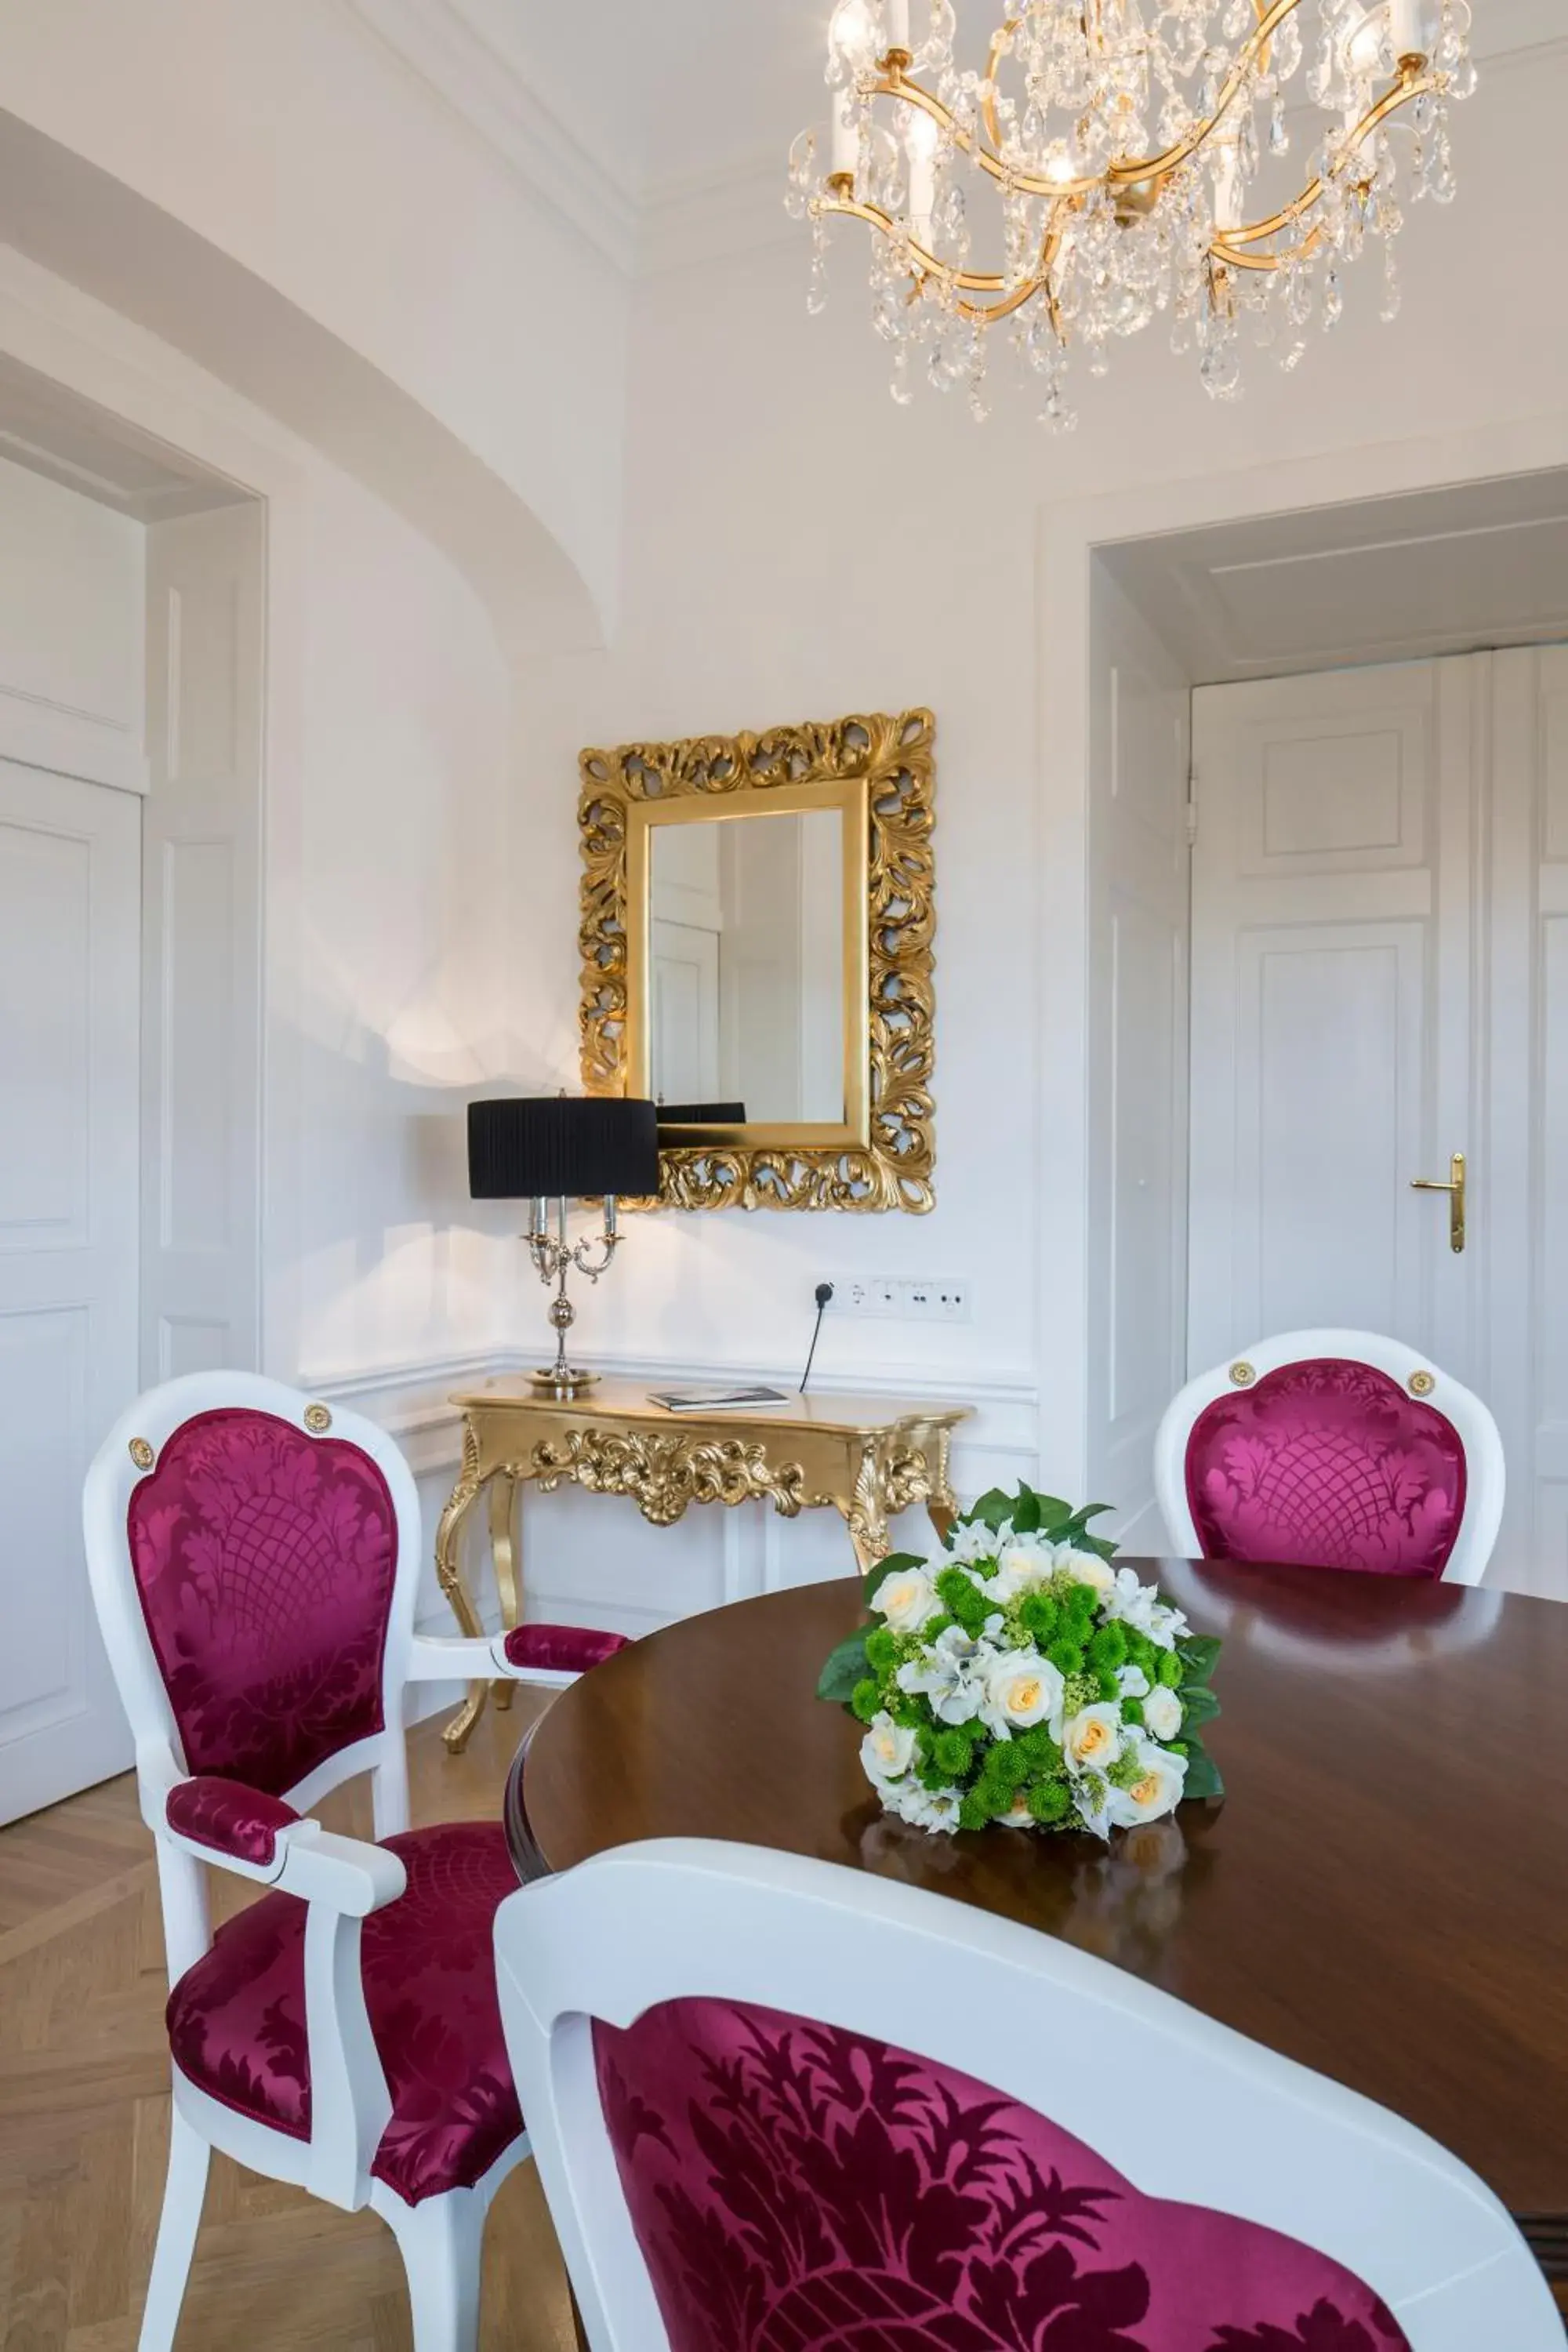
884 1156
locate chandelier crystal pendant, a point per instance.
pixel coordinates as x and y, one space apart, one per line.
1139 153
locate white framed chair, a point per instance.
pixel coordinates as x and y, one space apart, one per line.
803 2105
255 1560
1337 1449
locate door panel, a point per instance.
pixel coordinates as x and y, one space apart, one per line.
1527 1203
1332 889
69 950
201 971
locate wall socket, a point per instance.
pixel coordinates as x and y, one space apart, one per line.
887 1298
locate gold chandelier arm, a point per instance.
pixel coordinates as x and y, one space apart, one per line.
974 281
895 83
963 281
1411 84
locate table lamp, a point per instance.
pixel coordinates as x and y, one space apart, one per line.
551 1149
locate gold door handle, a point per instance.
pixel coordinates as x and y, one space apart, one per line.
1455 1189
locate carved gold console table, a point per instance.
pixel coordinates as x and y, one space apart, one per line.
865 1457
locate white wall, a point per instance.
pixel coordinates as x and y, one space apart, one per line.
72 617
429 309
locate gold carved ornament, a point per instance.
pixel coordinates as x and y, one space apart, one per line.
663 1475
893 1167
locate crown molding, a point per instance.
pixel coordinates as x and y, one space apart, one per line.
437 41
715 215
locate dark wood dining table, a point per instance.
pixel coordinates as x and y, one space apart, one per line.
1382 1893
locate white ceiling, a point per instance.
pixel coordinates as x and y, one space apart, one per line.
1396 579
661 92
53 432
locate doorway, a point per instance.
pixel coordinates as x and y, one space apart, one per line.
131 774
1330 956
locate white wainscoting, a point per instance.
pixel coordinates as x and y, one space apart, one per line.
594 1560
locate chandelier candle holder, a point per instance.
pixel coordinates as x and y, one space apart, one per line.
1139 155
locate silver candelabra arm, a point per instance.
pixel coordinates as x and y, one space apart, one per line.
554 1259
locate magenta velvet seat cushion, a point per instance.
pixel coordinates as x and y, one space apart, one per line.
237 2020
797 2189
265 1560
560 1649
1327 1464
228 1817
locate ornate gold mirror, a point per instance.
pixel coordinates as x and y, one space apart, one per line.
757 926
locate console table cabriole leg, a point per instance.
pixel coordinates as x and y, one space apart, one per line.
506 1551
449 1576
865 1511
942 1509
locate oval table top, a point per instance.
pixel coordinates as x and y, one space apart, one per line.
1382 1894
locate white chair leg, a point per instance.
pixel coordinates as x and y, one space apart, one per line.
442 2240
184 2193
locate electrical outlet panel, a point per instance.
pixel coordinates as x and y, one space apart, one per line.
940 1299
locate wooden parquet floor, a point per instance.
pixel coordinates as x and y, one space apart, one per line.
84 2106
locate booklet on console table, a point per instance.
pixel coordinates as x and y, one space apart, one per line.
718 1400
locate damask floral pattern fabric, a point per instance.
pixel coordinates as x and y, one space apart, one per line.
797 2189
229 1818
236 2019
1327 1464
560 1649
265 1560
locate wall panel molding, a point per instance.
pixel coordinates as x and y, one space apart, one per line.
66 741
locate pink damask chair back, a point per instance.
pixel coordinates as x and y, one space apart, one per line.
255 1558
806 2109
266 1562
1332 1449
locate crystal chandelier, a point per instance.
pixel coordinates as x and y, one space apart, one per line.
1133 148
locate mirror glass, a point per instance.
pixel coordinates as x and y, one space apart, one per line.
746 952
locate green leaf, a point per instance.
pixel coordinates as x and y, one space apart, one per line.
1027 1511
846 1668
1079 1522
896 1563
990 1511
1202 1773
1199 1706
1100 1544
1199 1654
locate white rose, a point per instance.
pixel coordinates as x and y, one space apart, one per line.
1156 1792
886 1750
906 1599
1091 1739
951 1675
1022 1689
1087 1568
1162 1712
1022 1563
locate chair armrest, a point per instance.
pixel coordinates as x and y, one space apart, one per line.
214 1819
550 1655
239 1823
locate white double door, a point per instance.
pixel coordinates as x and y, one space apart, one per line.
1380 982
70 933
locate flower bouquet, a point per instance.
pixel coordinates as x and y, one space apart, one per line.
1019 1675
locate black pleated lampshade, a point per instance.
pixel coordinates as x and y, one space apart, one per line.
562 1146
729 1114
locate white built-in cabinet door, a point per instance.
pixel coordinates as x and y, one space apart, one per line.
1380 980
70 889
201 1072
